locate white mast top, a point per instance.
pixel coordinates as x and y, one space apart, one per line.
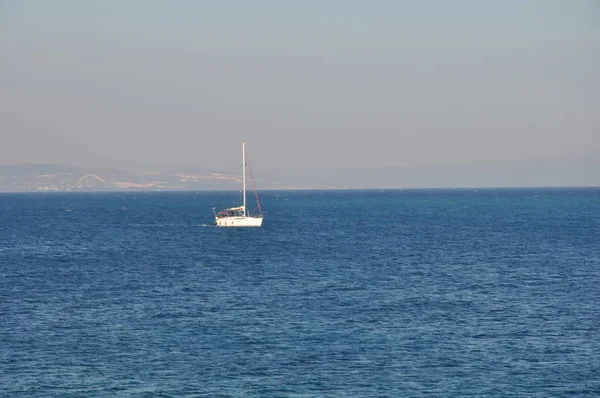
244 174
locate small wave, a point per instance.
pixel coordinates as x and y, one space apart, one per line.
153 225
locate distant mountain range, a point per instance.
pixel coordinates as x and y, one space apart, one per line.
582 171
50 177
47 177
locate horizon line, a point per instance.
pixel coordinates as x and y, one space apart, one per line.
311 189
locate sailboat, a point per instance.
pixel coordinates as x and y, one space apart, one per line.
239 216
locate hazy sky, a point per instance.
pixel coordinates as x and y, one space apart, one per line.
375 93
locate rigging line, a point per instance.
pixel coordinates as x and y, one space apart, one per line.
253 182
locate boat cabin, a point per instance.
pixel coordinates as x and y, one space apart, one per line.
232 212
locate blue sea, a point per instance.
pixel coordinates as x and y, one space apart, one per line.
393 293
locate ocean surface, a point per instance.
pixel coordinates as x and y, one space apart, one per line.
394 293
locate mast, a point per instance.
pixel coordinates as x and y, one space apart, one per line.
244 174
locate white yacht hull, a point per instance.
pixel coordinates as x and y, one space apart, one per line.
238 222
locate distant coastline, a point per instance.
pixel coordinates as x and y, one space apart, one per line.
60 178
